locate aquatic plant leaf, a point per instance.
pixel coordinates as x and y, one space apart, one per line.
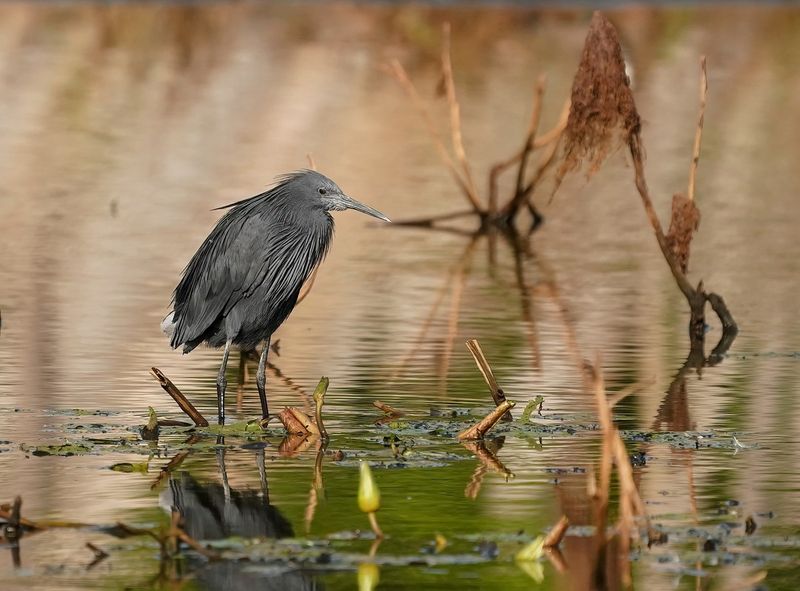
129 468
530 407
66 449
532 551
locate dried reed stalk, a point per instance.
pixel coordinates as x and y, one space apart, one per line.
455 118
555 535
399 73
459 166
488 375
386 409
603 116
698 134
186 406
479 429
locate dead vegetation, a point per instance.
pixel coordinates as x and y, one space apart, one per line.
602 117
490 211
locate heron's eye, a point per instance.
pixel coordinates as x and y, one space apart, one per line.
322 191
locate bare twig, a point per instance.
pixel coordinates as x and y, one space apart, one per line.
454 272
178 397
479 429
533 127
455 118
311 164
698 134
627 391
488 375
99 555
174 463
386 409
459 281
399 73
520 156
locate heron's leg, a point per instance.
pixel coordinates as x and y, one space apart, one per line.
261 379
226 487
221 383
262 473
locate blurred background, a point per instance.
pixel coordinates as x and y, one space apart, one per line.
123 124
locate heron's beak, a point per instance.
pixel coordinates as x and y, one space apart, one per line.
351 203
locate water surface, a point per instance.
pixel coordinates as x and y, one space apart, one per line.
121 127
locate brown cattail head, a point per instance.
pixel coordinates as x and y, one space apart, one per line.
603 113
685 221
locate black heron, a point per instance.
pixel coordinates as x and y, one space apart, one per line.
244 280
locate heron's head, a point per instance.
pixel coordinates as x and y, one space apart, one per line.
331 197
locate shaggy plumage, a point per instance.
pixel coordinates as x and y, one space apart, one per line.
245 278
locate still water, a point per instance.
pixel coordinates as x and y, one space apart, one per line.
121 127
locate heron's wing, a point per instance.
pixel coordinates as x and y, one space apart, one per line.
246 252
218 270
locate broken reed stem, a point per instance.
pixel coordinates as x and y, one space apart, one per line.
319 400
488 375
555 535
627 484
698 134
168 540
13 517
601 488
455 118
479 429
99 553
12 531
386 409
718 305
617 397
487 457
170 467
178 397
311 164
399 73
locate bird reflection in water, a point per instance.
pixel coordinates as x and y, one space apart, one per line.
214 511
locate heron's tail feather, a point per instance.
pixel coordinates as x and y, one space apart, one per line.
168 325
